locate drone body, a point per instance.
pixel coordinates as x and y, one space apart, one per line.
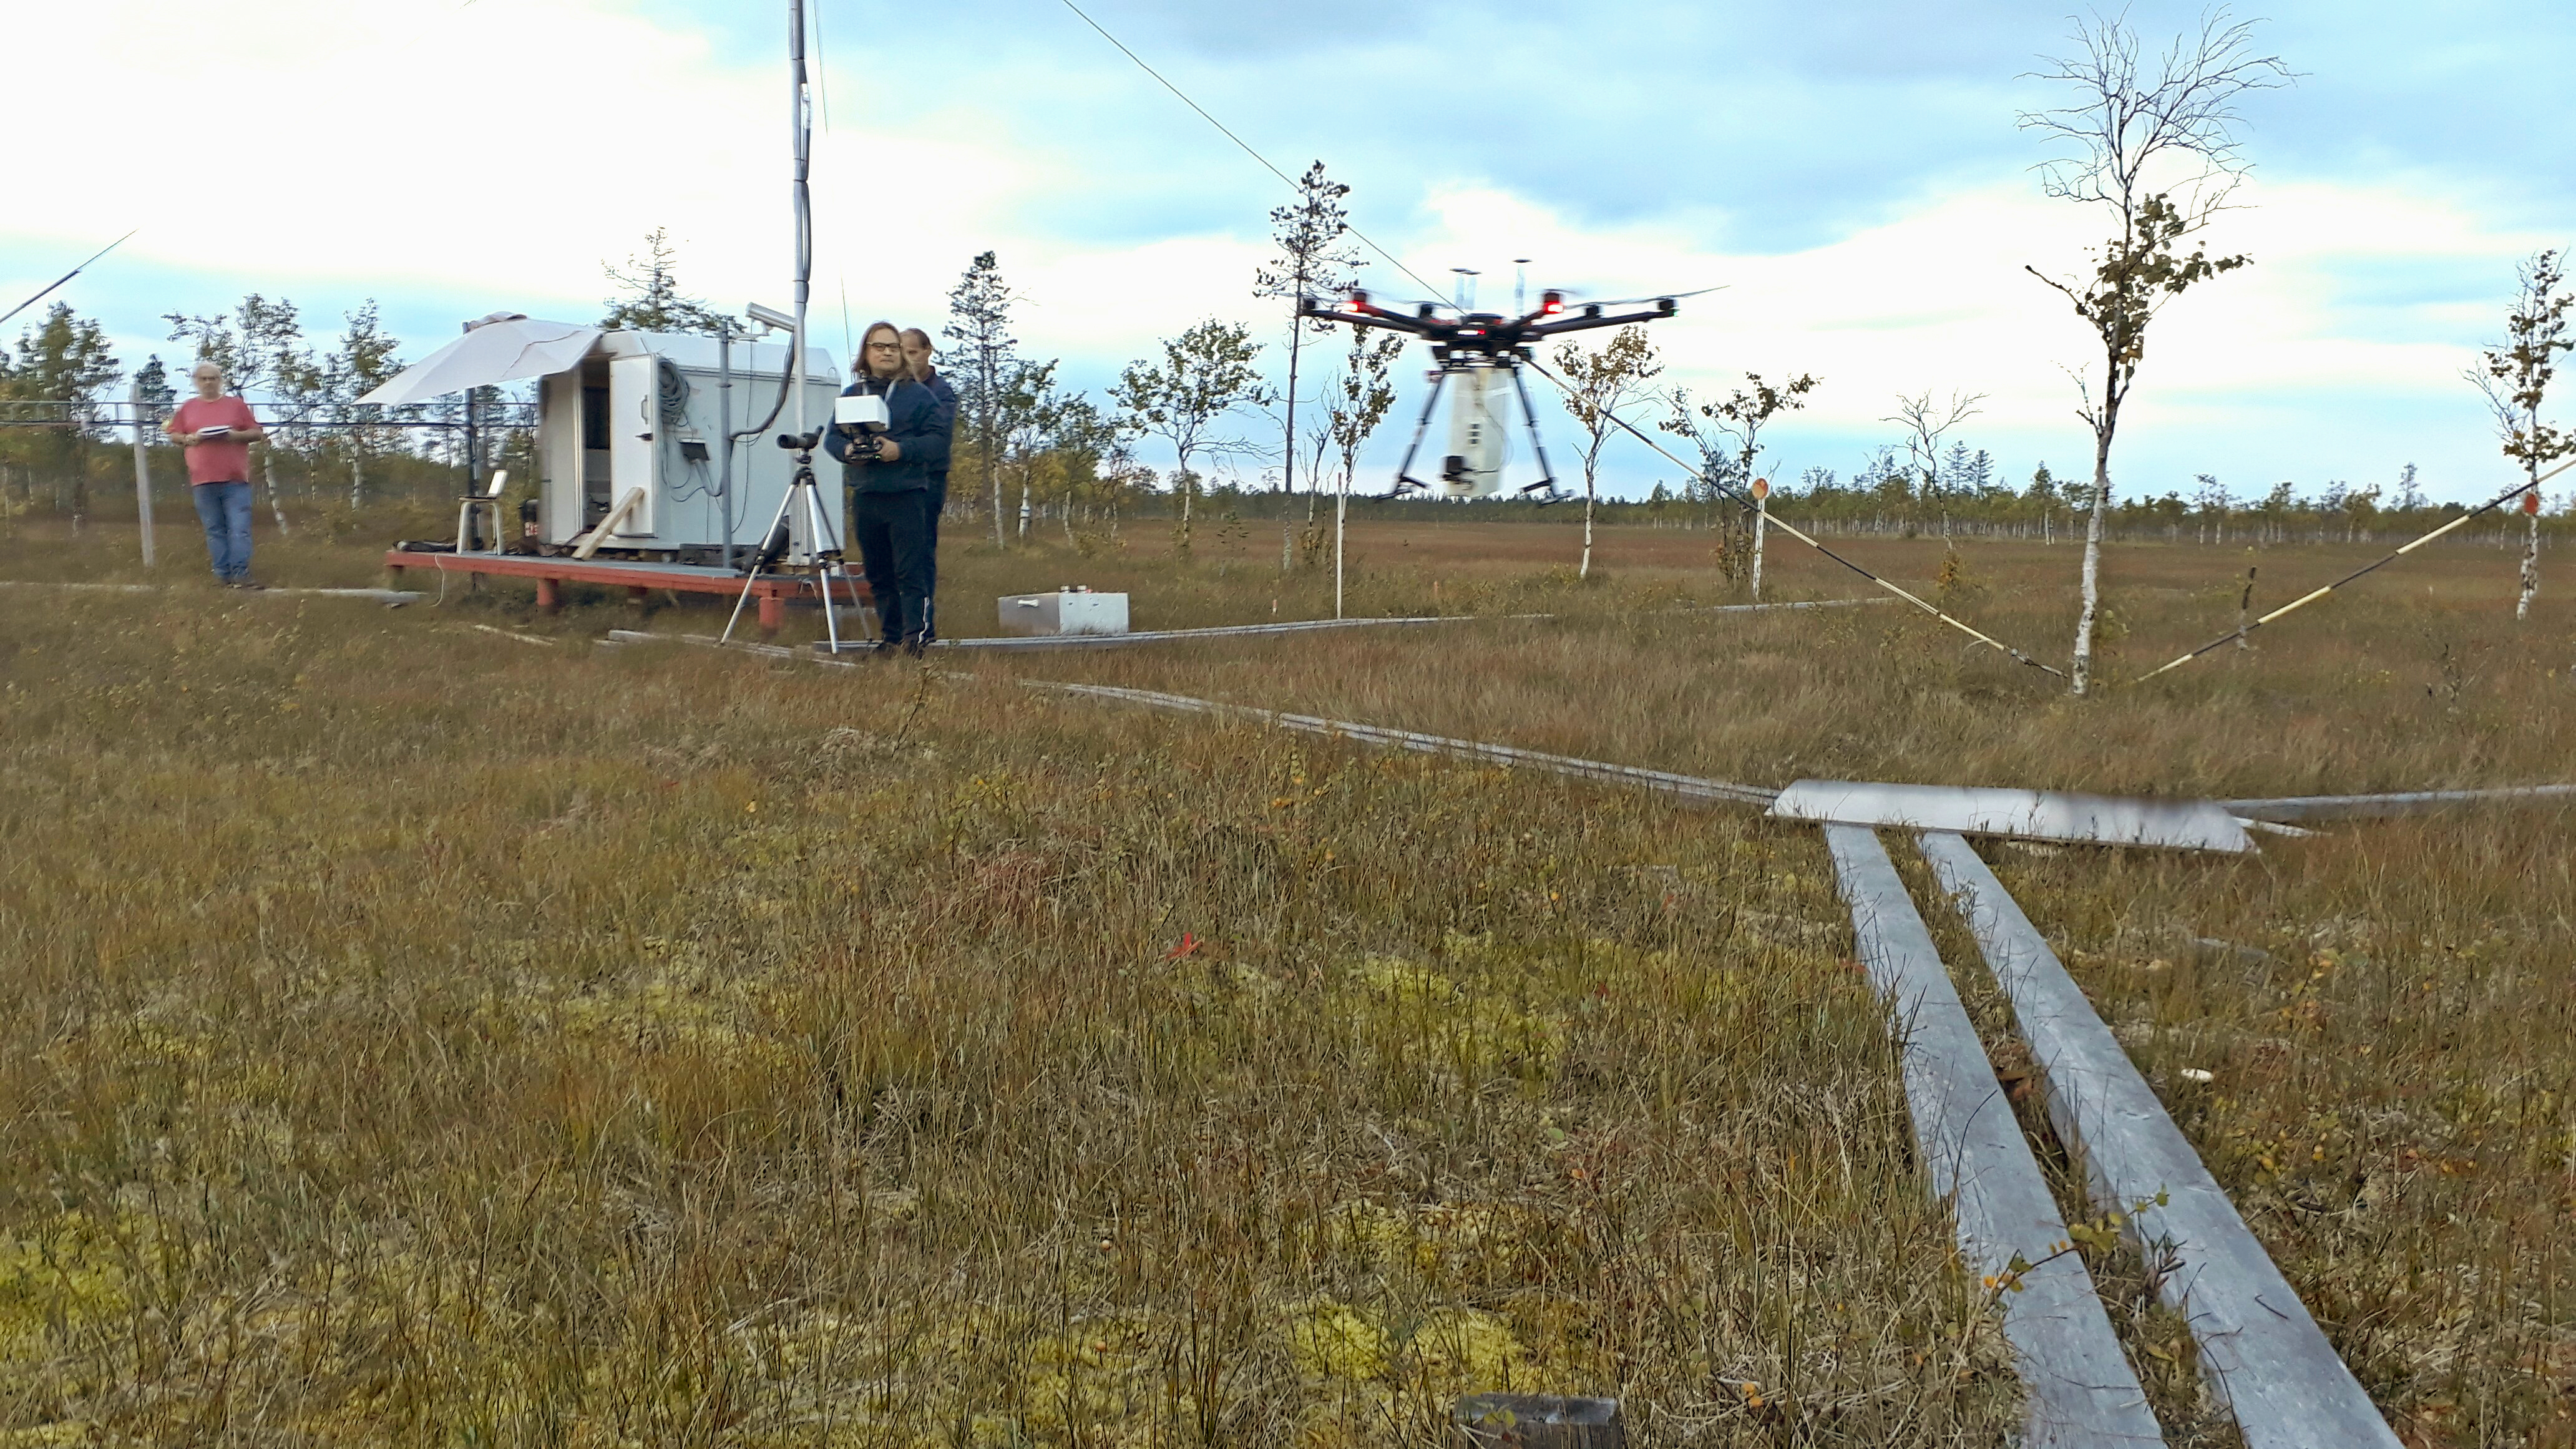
1473 466
1480 355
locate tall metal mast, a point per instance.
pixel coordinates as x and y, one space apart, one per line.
801 123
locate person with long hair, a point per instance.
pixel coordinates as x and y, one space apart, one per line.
888 478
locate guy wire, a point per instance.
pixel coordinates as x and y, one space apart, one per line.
2313 595
1391 258
822 83
1794 532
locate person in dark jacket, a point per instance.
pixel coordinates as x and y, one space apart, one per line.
917 355
889 487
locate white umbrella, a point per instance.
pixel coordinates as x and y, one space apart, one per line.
494 351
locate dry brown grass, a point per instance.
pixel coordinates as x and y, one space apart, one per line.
419 1035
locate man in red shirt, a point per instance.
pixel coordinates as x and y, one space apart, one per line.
217 431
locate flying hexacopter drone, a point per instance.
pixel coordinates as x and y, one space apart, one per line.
1483 351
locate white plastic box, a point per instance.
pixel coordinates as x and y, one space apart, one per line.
1066 611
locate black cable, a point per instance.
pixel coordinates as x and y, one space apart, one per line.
1391 258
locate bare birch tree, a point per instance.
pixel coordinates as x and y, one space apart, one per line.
1925 422
1597 386
2516 377
2160 155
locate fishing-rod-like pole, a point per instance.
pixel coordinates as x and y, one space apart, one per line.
2313 595
1786 527
67 276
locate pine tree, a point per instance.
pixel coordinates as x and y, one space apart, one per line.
1312 261
651 299
979 319
65 359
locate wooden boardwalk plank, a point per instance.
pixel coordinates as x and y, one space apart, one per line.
2081 1391
2259 1349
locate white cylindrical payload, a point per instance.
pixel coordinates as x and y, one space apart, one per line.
1474 465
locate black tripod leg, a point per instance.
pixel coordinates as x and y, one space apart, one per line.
785 503
1404 471
1529 415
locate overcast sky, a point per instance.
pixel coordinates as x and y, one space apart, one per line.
1855 180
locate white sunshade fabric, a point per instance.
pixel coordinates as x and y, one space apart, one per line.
492 353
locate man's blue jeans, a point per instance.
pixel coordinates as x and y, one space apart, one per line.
225 510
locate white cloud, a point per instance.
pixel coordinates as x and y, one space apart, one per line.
492 153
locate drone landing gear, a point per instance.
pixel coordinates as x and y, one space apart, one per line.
1405 482
1545 488
1544 491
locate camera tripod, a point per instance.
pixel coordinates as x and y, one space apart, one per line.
823 547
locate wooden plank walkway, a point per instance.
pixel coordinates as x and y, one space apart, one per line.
2286 809
2260 1351
2081 1391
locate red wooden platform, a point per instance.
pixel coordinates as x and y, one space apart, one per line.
636 577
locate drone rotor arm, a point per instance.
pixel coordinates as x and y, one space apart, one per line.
1373 317
1589 320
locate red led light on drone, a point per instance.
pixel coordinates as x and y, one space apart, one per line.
1551 303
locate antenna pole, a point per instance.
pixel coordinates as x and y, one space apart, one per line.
801 126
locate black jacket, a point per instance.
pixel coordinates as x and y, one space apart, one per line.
947 396
913 421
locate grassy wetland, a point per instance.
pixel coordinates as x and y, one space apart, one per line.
418 1034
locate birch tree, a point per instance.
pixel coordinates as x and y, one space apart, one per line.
2515 378
1729 432
366 358
2158 156
1925 422
1598 386
260 348
1312 260
1205 374
1025 417
1364 395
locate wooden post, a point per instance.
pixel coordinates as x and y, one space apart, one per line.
142 476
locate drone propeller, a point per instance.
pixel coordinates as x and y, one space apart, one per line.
1576 297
